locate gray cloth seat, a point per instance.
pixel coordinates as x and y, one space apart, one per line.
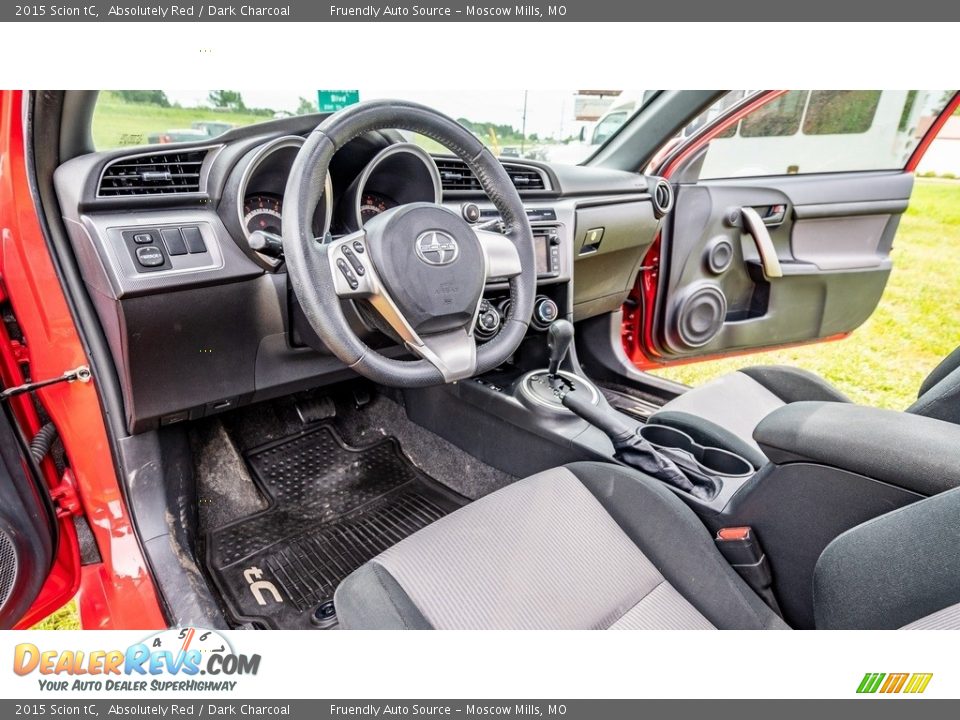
599 546
725 411
586 546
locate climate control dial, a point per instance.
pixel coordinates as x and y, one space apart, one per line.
545 311
488 321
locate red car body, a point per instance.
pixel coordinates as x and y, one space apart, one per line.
117 592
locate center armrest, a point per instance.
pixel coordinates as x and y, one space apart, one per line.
910 451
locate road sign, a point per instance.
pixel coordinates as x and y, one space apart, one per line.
333 100
591 107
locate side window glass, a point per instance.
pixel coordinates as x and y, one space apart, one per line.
840 112
818 131
608 126
778 118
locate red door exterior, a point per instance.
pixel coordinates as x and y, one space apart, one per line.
117 592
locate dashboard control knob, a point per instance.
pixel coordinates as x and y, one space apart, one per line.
488 321
470 212
545 311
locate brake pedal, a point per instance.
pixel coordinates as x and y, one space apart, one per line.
361 396
314 409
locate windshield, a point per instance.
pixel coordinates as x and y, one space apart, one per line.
560 126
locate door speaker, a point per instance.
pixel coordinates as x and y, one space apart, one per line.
719 255
700 314
8 566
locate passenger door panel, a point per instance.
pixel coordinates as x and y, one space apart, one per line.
830 238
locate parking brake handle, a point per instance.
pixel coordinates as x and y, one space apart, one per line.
632 449
613 424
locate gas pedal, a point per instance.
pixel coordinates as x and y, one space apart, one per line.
315 408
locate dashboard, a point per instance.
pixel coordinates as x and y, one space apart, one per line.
181 253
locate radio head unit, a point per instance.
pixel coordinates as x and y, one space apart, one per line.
546 238
546 247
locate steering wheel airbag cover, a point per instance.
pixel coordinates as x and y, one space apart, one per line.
436 290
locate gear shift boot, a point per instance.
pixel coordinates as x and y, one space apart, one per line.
631 448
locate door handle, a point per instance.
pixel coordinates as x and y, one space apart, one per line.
753 224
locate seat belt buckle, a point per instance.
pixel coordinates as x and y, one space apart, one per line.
741 548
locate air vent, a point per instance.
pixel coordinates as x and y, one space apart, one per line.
159 174
455 175
662 197
525 178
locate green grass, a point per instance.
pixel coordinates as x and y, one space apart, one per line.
117 123
66 618
882 363
916 324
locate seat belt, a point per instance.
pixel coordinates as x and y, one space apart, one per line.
741 548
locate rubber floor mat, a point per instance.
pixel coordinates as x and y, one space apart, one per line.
331 508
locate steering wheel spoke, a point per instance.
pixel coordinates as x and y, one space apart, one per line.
501 258
453 353
356 278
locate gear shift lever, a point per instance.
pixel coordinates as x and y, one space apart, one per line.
559 338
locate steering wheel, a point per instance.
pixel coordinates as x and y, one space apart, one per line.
420 266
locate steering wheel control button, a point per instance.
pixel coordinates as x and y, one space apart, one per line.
347 274
150 256
173 240
358 247
353 259
194 240
470 212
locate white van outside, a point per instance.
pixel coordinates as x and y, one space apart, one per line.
844 128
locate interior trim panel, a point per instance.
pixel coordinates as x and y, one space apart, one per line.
150 258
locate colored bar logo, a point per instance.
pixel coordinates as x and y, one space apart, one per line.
909 683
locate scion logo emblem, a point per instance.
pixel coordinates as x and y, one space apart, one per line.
436 247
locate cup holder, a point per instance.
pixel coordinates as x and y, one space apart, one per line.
713 461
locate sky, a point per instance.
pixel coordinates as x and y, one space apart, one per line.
549 112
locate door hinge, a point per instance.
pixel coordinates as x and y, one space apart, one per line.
65 498
80 374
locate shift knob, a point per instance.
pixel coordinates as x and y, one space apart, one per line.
559 337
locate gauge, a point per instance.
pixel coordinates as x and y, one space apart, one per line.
185 639
262 212
372 204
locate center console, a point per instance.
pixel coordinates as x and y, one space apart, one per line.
832 466
552 250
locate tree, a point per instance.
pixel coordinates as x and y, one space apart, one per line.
306 107
226 99
144 97
483 128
